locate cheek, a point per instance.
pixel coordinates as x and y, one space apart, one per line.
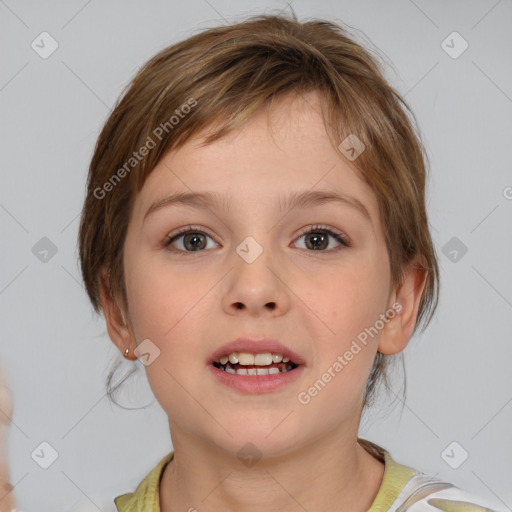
355 299
159 298
349 300
165 309
167 306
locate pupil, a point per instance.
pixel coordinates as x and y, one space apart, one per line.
316 237
196 237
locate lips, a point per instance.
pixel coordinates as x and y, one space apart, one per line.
256 346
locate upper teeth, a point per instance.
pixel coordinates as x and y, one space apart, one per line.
262 359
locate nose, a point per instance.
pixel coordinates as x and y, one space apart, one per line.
256 288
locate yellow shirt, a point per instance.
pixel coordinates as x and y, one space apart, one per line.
402 489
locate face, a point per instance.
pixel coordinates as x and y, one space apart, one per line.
189 294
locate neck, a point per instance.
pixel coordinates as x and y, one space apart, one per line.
206 478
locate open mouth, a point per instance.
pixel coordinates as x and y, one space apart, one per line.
243 363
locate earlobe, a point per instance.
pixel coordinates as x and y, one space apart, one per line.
407 299
118 331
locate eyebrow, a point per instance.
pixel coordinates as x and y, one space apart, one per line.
307 198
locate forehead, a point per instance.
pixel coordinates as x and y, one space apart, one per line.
279 151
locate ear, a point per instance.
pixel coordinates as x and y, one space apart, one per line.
119 330
398 331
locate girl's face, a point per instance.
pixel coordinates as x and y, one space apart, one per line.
188 303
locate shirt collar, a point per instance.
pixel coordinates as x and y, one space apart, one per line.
146 497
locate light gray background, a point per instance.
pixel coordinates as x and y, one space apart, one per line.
56 354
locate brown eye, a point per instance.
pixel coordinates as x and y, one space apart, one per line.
317 239
194 241
188 240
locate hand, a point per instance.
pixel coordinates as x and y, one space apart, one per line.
7 503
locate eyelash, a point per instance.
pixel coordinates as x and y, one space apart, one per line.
340 237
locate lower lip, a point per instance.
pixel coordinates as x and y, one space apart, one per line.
256 383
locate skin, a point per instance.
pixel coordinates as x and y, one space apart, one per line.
314 301
7 503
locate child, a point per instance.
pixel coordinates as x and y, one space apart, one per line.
255 232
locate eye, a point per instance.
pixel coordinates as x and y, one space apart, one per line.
192 240
317 238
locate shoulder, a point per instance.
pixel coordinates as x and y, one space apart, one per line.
423 493
147 492
404 489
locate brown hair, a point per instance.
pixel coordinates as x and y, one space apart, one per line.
224 75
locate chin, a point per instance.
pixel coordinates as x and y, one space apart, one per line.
258 440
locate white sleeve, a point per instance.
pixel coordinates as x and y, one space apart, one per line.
426 494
